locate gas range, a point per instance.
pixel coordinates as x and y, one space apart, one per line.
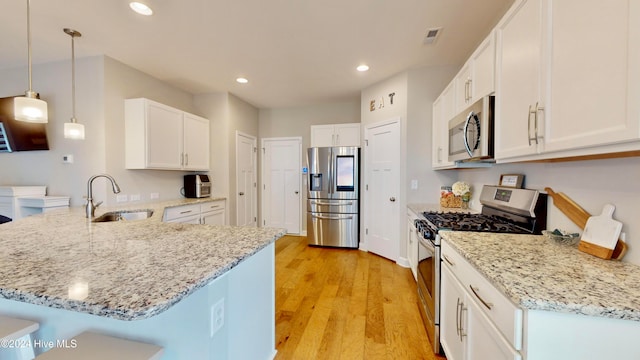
504 210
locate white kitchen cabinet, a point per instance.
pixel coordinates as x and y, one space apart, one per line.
335 135
443 111
477 321
161 137
518 79
565 87
196 143
207 213
412 243
213 213
452 296
476 78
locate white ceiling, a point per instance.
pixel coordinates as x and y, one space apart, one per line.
294 52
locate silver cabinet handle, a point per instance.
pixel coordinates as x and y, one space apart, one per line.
538 109
529 126
186 211
392 199
458 317
470 94
488 305
186 159
445 258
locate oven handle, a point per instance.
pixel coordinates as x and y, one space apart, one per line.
426 243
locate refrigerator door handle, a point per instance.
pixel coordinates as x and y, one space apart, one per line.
314 202
332 217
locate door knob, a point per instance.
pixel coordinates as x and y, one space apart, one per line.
392 199
241 193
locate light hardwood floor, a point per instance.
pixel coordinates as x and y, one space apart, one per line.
345 304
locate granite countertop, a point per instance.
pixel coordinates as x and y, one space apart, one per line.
125 270
538 274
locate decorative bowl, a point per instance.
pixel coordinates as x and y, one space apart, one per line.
562 237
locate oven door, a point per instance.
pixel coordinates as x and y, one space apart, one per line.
429 288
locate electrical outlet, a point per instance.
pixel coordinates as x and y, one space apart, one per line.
121 198
154 196
135 197
414 184
217 316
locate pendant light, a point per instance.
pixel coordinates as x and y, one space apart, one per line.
73 130
29 107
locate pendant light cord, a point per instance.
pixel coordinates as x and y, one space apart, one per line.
29 41
73 78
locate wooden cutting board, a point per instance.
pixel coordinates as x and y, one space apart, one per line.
601 234
579 216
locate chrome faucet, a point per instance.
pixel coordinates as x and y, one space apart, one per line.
90 207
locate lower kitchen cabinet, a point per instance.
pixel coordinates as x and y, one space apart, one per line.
466 333
478 322
213 213
208 213
412 243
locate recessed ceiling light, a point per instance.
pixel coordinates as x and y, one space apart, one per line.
242 80
141 8
362 67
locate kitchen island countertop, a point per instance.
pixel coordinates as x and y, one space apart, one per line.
538 274
126 270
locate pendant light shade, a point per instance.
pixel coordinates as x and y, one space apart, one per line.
73 130
30 108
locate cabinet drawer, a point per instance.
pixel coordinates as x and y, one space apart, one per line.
212 206
177 212
505 315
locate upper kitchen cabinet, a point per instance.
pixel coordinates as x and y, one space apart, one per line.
335 135
476 78
164 138
443 110
564 83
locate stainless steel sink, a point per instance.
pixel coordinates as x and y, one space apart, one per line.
124 215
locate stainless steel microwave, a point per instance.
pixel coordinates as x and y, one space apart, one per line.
471 132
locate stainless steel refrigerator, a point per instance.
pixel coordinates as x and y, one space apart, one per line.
333 196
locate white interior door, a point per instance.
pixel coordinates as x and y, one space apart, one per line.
246 184
382 189
281 197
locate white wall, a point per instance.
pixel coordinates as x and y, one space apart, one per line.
102 85
415 90
124 82
53 82
227 114
297 121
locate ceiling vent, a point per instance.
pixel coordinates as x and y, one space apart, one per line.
431 36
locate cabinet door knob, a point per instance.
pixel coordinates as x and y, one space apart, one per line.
241 193
297 192
392 199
